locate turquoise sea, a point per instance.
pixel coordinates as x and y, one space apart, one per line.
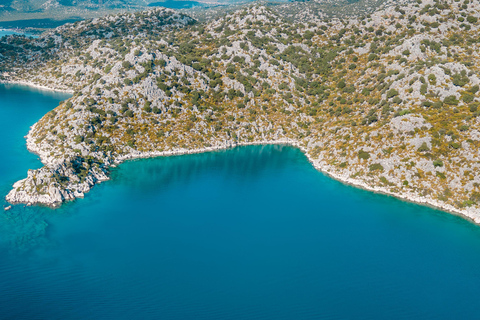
188 4
248 233
178 4
7 32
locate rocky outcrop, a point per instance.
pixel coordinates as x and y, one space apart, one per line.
53 185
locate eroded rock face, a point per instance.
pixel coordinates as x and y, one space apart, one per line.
57 184
408 123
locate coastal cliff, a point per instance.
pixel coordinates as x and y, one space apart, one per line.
387 102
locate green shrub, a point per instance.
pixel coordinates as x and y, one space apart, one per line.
160 63
426 104
437 104
423 148
375 166
385 181
423 89
474 89
467 98
78 139
455 145
349 89
451 100
460 79
392 93
472 19
147 107
363 155
438 163
440 175
230 69
475 197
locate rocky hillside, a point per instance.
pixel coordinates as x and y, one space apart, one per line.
388 102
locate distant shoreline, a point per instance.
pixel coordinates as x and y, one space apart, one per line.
34 85
17 31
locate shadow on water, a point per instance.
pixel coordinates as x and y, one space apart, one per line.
26 228
240 162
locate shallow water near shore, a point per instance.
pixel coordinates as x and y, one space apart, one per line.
247 233
7 32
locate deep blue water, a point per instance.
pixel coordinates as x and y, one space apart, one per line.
247 233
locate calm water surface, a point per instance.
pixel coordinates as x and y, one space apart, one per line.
177 4
248 233
9 32
187 4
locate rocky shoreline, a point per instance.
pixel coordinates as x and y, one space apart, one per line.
58 195
470 215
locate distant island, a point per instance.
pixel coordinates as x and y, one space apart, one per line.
387 101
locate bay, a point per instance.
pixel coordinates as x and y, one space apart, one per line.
247 233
